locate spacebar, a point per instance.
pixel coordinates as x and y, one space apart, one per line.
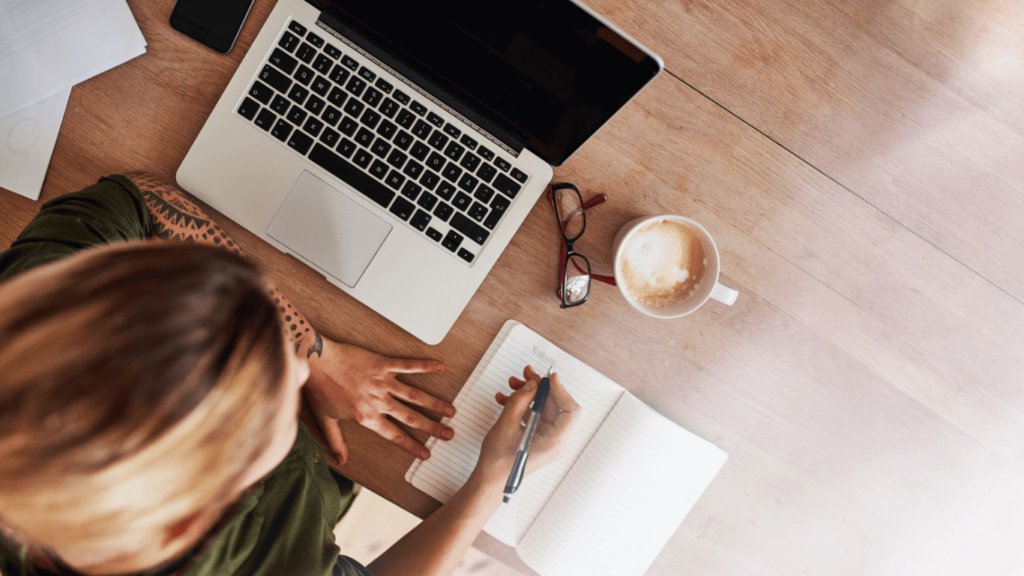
349 174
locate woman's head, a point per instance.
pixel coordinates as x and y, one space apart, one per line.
140 384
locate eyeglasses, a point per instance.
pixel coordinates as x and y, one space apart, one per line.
573 269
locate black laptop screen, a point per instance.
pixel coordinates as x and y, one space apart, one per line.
545 71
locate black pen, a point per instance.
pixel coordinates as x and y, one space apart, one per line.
516 476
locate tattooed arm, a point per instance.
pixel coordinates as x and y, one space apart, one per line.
346 382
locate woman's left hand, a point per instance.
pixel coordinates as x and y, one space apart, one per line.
352 383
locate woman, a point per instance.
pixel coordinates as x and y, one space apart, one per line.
148 407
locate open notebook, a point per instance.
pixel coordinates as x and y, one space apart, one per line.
628 479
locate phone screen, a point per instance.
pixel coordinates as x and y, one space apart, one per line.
215 23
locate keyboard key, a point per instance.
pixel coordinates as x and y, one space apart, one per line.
331 115
384 85
261 92
462 201
421 130
300 142
364 137
468 182
402 208
429 179
315 40
419 150
413 169
362 158
477 211
347 147
315 105
339 75
249 108
487 154
322 64
443 211
313 126
337 97
471 229
298 94
452 172
389 107
434 235
277 79
454 151
465 255
502 164
418 108
403 139
355 85
470 161
281 130
332 51
297 28
350 63
401 97
435 120
506 186
500 203
420 220
306 53
397 158
484 193
348 126
280 104
452 240
370 118
354 107
486 172
519 175
321 86
265 120
411 190
435 162
427 201
452 131
330 137
438 140
386 129
380 148
468 142
368 74
394 179
493 218
372 96
297 115
446 190
379 169
352 176
288 41
406 118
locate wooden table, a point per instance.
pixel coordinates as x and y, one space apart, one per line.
860 166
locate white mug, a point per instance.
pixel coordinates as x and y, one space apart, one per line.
709 286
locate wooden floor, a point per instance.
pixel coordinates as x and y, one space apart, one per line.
861 166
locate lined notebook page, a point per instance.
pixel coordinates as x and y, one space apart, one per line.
624 498
451 462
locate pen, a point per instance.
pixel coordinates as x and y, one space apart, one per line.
516 476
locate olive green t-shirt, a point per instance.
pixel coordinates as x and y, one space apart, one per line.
285 524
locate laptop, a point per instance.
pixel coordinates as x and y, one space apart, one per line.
396 147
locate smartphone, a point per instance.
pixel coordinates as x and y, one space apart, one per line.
214 23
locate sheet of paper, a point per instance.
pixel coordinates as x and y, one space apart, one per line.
47 47
27 138
624 498
451 462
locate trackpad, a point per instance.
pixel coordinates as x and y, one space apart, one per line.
326 227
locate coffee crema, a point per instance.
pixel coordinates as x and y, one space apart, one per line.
662 263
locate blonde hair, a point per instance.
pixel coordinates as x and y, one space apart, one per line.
135 391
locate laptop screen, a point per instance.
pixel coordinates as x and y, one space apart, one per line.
545 71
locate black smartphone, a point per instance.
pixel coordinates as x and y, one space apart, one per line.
214 23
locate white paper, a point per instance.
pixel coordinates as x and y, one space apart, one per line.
624 498
27 138
48 46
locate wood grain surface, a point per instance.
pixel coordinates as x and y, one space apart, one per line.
858 164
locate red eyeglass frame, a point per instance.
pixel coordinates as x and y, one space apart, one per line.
567 243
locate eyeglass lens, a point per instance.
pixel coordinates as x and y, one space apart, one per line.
570 213
577 279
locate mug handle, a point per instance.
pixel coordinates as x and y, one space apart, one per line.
724 294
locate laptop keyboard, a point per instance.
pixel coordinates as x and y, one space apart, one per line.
414 160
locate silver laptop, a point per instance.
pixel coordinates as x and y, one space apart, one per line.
396 147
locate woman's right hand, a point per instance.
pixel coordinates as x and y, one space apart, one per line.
557 421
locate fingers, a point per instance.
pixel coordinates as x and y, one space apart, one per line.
516 406
562 397
392 433
413 366
414 419
421 398
332 433
529 373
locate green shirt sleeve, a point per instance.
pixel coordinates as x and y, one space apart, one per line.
111 210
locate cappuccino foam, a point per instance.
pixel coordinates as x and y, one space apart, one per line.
662 263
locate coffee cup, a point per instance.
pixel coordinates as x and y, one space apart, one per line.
667 266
